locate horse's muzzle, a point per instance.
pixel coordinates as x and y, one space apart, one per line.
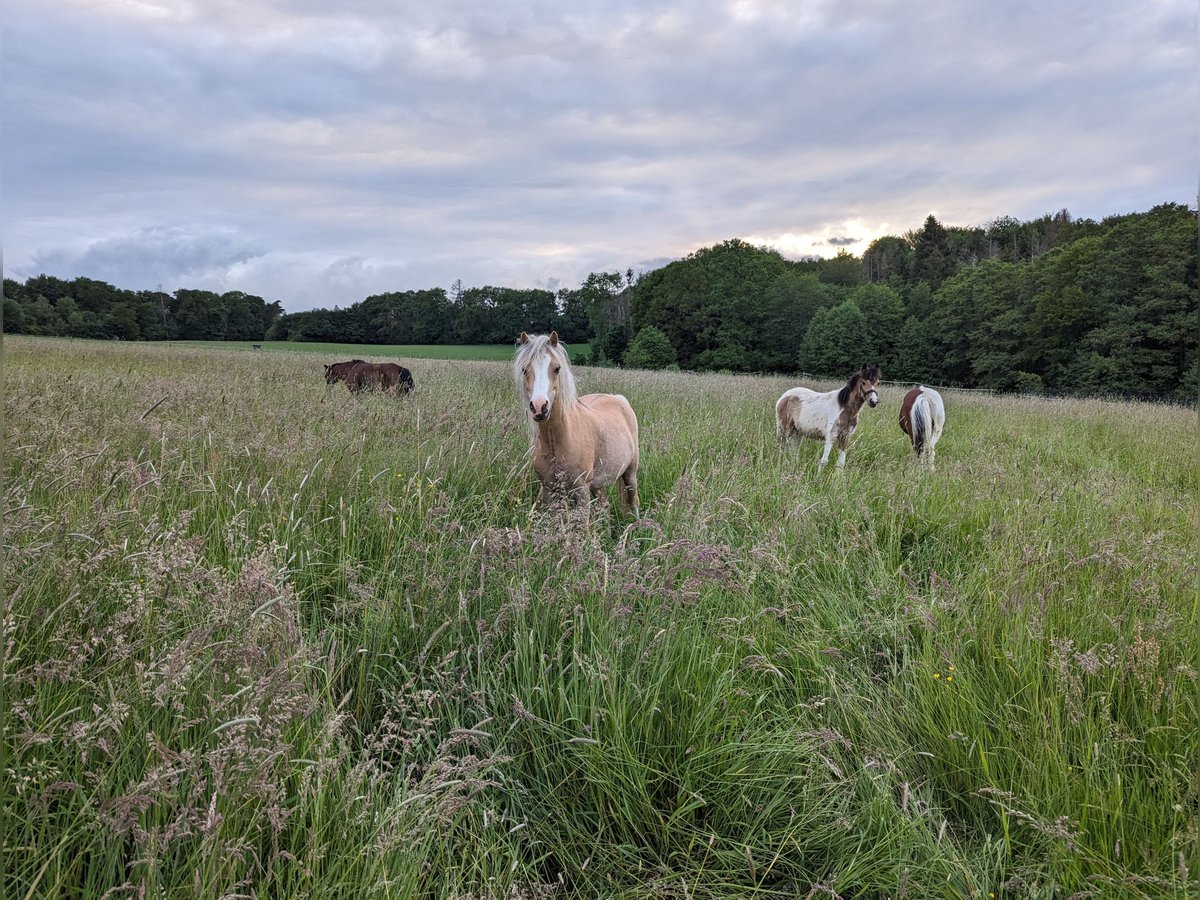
542 413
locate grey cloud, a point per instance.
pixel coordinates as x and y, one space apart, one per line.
308 152
167 255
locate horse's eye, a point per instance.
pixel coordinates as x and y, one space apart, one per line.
557 369
525 370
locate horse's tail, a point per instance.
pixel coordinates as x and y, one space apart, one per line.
920 418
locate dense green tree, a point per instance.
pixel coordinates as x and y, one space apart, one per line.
473 319
843 269
431 321
919 301
1067 305
614 344
887 257
67 310
600 296
271 311
933 261
573 324
1008 239
14 316
121 322
711 305
967 246
883 318
244 316
41 317
788 306
1146 278
47 286
200 314
979 319
918 354
834 344
650 349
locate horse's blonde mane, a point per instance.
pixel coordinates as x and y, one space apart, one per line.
529 351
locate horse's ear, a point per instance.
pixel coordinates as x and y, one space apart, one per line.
522 338
554 339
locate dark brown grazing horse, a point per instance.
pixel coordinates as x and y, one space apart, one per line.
338 371
363 376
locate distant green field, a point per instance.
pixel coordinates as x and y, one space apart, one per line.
412 351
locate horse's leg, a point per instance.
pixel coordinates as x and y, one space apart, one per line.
627 492
843 444
828 447
599 496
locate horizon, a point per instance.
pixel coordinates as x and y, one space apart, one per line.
447 290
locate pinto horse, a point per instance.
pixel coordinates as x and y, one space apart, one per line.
831 416
922 417
580 445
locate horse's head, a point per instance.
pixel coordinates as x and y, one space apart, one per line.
543 374
868 384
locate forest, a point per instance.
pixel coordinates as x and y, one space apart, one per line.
1051 305
86 308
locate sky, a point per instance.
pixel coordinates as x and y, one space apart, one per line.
316 152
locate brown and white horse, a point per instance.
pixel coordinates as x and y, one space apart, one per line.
831 416
922 417
580 445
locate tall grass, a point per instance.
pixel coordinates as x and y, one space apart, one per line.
346 351
268 639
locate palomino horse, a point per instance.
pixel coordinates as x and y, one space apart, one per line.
580 445
360 376
922 417
831 416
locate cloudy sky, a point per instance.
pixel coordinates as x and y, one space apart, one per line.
315 152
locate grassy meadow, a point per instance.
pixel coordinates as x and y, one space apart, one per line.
268 639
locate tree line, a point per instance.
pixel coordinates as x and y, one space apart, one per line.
1054 304
87 308
486 315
